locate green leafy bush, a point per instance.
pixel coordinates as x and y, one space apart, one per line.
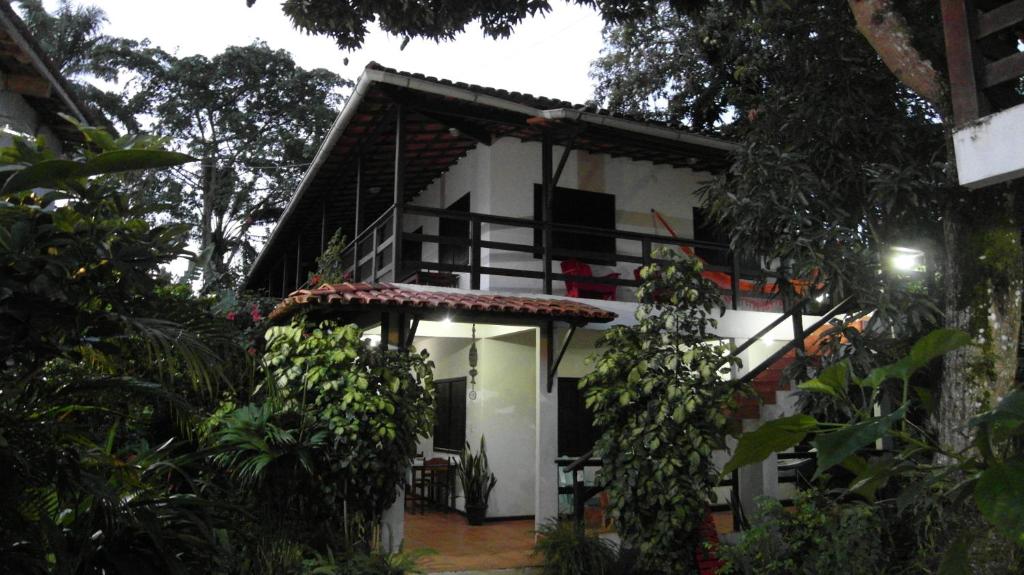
817 536
101 367
915 473
660 395
318 457
358 563
567 549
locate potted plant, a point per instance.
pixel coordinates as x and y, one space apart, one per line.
477 482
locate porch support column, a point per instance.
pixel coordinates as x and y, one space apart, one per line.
547 201
396 238
545 498
392 333
358 228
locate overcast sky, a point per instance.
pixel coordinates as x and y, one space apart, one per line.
548 56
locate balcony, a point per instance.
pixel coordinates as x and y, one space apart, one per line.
371 256
986 73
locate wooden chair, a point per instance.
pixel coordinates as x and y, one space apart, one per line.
577 288
433 483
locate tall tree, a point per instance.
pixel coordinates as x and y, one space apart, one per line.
255 119
981 261
251 114
72 37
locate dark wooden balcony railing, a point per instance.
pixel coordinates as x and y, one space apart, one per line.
369 257
984 61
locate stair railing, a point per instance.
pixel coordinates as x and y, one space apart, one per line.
794 313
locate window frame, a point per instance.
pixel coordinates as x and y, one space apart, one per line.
574 241
448 411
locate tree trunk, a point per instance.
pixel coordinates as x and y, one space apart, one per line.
888 33
983 265
983 270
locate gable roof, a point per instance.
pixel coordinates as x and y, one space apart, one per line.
24 62
444 121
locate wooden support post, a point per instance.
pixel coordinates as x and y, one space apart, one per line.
798 325
474 262
561 162
323 226
385 329
545 497
374 242
284 275
735 280
958 21
396 238
358 228
547 204
298 263
397 329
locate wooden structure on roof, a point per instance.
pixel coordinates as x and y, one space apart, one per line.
399 132
26 70
985 57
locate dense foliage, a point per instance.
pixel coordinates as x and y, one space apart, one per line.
660 395
143 430
99 365
817 183
816 536
73 39
567 549
914 473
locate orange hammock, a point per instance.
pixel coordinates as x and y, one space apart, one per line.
724 280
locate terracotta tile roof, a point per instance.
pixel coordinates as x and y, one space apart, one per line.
385 295
542 102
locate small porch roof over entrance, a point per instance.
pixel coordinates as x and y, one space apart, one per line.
354 301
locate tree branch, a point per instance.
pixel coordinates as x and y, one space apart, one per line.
889 34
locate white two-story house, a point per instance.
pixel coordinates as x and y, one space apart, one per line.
473 215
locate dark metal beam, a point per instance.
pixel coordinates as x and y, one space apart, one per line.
412 332
399 195
547 204
357 226
561 353
561 162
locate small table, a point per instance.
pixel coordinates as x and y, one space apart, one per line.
433 483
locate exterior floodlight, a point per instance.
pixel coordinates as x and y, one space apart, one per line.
447 319
906 260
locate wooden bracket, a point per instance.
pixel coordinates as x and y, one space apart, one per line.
561 353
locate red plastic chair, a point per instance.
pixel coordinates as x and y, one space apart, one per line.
576 288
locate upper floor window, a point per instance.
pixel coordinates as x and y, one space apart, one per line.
578 208
454 228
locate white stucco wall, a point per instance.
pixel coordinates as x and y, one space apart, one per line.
18 116
503 412
501 178
991 149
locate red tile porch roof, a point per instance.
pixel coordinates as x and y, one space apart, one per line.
384 295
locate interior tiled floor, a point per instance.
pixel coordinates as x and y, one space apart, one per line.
461 547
